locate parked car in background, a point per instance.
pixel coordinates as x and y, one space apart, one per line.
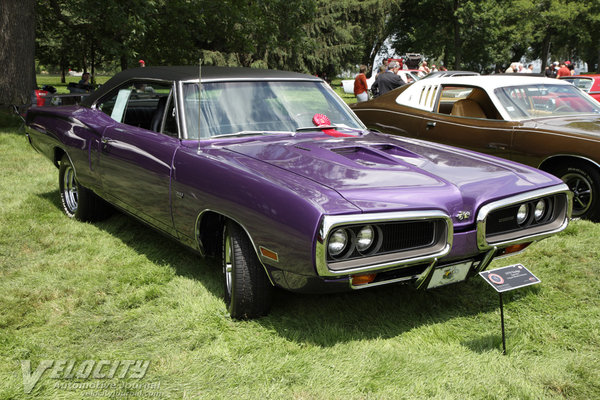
273 173
588 83
47 96
440 74
542 122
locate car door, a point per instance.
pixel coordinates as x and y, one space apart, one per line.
482 130
137 152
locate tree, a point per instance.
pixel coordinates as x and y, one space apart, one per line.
17 51
315 36
83 33
462 33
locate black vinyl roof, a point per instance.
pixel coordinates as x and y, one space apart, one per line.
188 73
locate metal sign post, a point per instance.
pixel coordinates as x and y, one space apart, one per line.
502 323
505 279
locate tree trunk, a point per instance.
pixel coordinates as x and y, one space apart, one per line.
17 51
93 57
457 40
545 51
63 68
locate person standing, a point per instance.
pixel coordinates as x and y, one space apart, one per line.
84 82
424 69
563 70
361 89
388 80
550 71
511 69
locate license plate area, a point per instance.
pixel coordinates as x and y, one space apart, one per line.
448 274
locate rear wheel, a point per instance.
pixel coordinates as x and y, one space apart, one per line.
584 182
248 291
77 201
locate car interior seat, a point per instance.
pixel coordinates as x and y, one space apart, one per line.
158 113
467 108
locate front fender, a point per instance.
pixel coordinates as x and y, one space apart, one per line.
279 210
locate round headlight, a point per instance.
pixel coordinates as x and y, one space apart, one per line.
365 238
540 210
522 214
337 242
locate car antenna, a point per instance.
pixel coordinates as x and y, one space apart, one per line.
199 103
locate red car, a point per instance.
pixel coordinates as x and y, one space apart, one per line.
587 83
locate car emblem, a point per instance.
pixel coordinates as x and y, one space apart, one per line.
462 215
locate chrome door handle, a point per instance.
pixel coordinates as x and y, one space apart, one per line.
105 142
498 146
430 124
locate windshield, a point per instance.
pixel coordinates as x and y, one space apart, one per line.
584 84
545 100
262 107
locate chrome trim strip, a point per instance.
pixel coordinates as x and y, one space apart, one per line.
338 99
489 256
183 133
530 234
416 277
246 79
425 277
128 82
376 263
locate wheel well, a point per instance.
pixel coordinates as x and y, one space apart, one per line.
209 229
551 164
58 155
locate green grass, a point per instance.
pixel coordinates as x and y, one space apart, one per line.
54 80
116 291
336 84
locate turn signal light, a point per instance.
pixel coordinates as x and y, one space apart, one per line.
515 248
362 279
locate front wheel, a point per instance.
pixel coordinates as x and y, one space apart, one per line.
584 182
248 291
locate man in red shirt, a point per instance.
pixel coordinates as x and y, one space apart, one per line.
563 70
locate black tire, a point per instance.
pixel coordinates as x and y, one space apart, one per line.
248 291
76 200
584 182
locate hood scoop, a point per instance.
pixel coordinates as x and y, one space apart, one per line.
380 154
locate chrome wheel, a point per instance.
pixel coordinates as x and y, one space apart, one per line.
227 262
76 200
582 192
70 189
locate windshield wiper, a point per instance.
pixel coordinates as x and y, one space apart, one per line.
321 127
315 128
249 133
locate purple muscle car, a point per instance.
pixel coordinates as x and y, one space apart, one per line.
271 171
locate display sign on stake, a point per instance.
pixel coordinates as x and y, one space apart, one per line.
505 279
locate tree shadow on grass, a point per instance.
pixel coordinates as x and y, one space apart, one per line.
485 343
156 247
382 312
325 319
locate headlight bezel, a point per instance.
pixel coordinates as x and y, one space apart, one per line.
370 259
558 200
